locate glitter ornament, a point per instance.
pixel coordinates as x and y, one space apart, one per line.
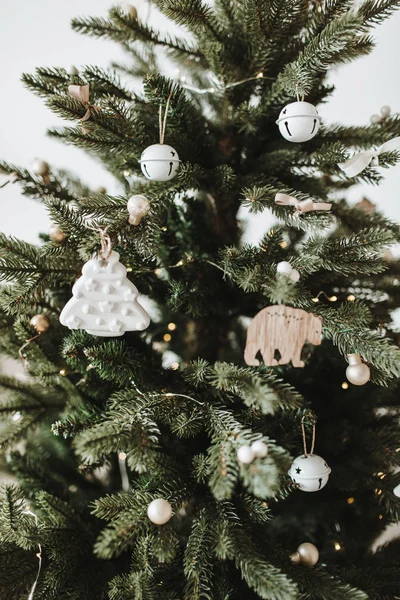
159 162
260 449
40 322
299 122
138 207
306 554
245 455
159 511
357 372
56 234
104 301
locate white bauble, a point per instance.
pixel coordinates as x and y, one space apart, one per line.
245 455
72 70
128 9
138 207
260 449
396 491
159 162
284 268
375 119
159 511
40 167
294 276
385 111
357 372
299 122
311 473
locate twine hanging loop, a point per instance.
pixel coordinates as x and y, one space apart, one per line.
311 417
162 121
105 240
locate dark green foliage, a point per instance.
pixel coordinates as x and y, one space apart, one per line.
100 427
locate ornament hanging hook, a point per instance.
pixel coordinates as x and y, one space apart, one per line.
310 416
163 121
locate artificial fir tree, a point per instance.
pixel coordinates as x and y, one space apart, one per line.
102 428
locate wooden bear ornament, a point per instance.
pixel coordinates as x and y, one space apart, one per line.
284 329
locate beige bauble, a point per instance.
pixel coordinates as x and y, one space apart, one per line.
40 322
159 511
357 372
40 167
128 9
138 207
56 234
306 554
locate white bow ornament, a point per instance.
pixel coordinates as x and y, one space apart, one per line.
302 206
357 163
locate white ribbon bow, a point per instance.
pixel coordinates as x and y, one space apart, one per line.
302 206
357 163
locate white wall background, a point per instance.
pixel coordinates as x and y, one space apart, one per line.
38 34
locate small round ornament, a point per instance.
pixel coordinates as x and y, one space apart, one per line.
284 268
375 119
56 234
385 111
306 554
260 449
357 372
245 455
72 71
159 511
396 491
128 9
310 472
40 322
138 207
299 122
294 276
40 167
159 162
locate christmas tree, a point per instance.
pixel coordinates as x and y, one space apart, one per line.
155 466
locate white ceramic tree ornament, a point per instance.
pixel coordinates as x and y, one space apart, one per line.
299 121
104 301
160 162
309 471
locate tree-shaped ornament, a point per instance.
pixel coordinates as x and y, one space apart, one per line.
281 328
104 301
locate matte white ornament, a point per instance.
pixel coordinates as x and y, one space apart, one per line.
357 372
385 111
310 472
376 119
138 207
128 9
159 511
245 455
396 491
159 162
260 449
104 313
72 70
299 122
284 268
294 275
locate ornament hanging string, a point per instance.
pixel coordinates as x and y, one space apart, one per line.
21 350
81 93
312 419
105 240
163 121
297 93
38 556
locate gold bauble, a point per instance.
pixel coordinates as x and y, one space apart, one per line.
56 234
40 322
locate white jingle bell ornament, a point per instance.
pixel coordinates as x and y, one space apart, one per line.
138 207
357 372
299 121
309 471
159 511
104 301
159 162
